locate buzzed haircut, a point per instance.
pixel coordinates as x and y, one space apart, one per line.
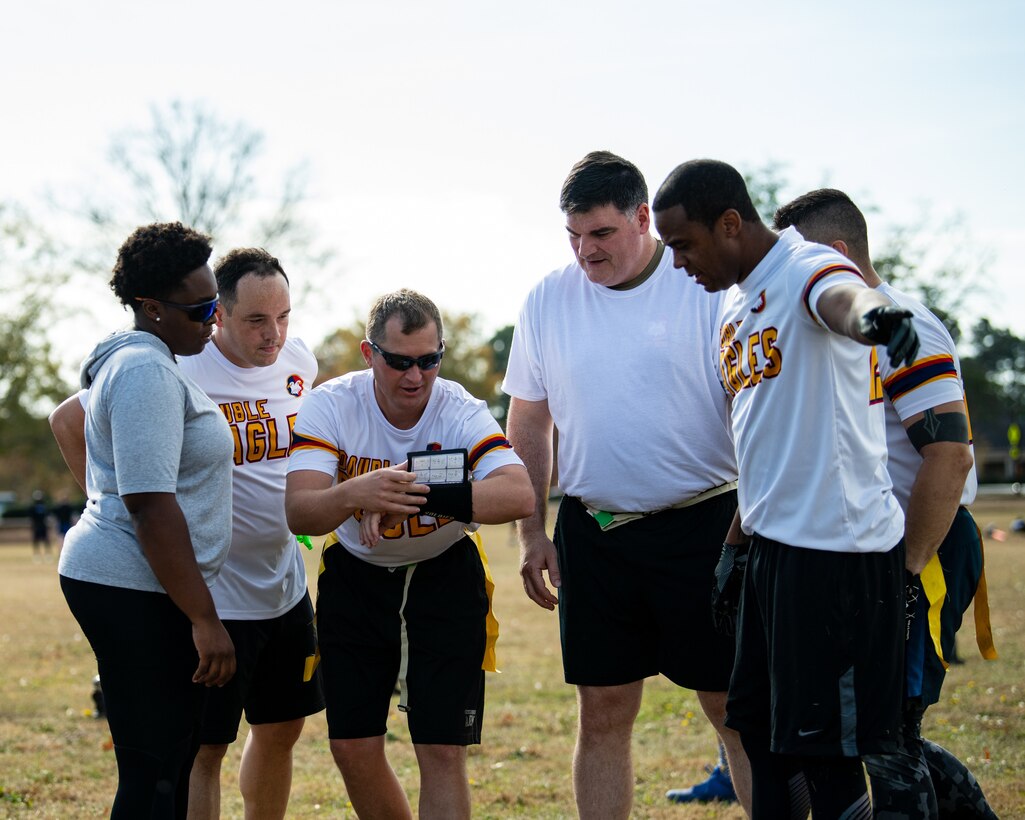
602 178
414 310
706 188
824 216
155 259
239 262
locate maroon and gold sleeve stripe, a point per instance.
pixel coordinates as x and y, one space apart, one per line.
300 442
817 277
495 442
922 372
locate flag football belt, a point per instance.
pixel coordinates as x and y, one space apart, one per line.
935 586
610 520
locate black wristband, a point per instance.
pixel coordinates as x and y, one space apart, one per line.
453 501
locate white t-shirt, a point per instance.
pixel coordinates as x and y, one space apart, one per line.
630 377
933 379
263 576
807 408
341 431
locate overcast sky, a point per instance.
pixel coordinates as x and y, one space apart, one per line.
439 133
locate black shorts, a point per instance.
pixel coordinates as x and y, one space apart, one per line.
960 557
421 625
274 679
635 600
820 640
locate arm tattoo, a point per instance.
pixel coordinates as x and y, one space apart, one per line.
943 427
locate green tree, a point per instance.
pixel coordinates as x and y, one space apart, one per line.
189 165
501 346
920 258
30 377
765 185
994 377
339 352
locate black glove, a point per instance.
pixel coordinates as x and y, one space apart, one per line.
891 326
729 581
912 589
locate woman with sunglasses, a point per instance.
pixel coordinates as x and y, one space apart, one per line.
135 569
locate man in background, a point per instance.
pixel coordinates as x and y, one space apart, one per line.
931 463
39 518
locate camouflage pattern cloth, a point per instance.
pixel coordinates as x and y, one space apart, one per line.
922 779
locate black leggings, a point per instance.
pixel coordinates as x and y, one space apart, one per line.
146 659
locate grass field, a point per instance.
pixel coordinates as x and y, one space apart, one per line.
56 759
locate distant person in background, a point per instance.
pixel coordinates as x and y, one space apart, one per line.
930 460
64 514
136 568
39 516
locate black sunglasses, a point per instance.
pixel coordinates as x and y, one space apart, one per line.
397 362
199 312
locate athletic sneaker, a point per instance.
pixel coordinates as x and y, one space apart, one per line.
717 787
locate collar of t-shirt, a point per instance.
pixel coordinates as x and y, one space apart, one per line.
644 275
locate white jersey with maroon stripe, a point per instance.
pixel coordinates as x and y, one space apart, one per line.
807 408
341 431
934 378
264 575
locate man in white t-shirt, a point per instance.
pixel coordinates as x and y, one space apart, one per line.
822 599
618 353
931 463
258 376
403 592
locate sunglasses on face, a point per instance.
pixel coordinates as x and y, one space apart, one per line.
397 362
199 312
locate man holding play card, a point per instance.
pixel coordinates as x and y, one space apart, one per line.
402 593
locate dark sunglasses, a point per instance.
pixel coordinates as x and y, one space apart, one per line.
199 312
397 362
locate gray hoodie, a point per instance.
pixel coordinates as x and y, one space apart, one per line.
148 429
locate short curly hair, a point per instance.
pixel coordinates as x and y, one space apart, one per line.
155 259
